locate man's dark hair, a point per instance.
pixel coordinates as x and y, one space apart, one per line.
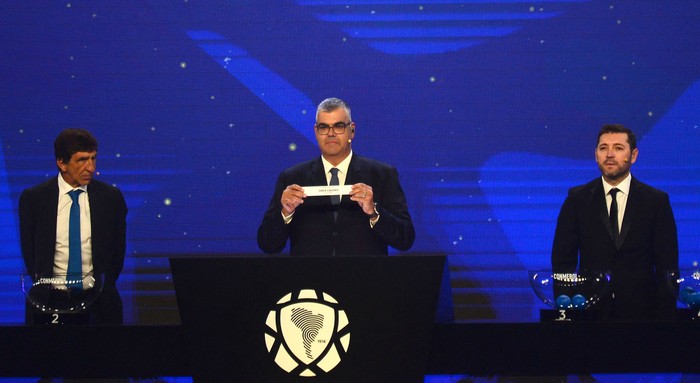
71 141
619 128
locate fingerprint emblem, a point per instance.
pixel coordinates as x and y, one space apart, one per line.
309 324
307 333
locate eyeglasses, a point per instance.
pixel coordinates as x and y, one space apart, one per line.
338 128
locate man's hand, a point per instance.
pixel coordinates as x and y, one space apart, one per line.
364 196
292 197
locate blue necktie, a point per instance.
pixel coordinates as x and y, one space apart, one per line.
75 262
335 199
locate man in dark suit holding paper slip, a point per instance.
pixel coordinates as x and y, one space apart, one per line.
370 217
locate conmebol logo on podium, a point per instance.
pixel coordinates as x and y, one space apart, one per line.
289 319
307 333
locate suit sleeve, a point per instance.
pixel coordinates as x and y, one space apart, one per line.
395 225
120 231
27 229
566 239
273 233
665 254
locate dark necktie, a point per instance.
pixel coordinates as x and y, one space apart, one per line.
75 262
613 214
335 199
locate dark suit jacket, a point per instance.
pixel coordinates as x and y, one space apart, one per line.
646 249
314 232
37 217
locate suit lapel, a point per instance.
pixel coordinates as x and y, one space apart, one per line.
317 175
93 198
598 199
634 201
95 227
48 227
45 240
52 211
355 171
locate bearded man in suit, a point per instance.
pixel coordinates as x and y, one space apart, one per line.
620 225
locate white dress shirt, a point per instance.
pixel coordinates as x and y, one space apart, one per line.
342 169
622 195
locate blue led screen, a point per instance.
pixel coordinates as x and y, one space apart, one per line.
489 110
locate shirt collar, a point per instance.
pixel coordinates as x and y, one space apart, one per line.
623 186
342 166
64 187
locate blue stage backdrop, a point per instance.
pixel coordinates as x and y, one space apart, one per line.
489 110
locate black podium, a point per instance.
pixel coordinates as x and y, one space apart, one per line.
308 319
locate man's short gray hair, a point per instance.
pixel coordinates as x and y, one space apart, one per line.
330 104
